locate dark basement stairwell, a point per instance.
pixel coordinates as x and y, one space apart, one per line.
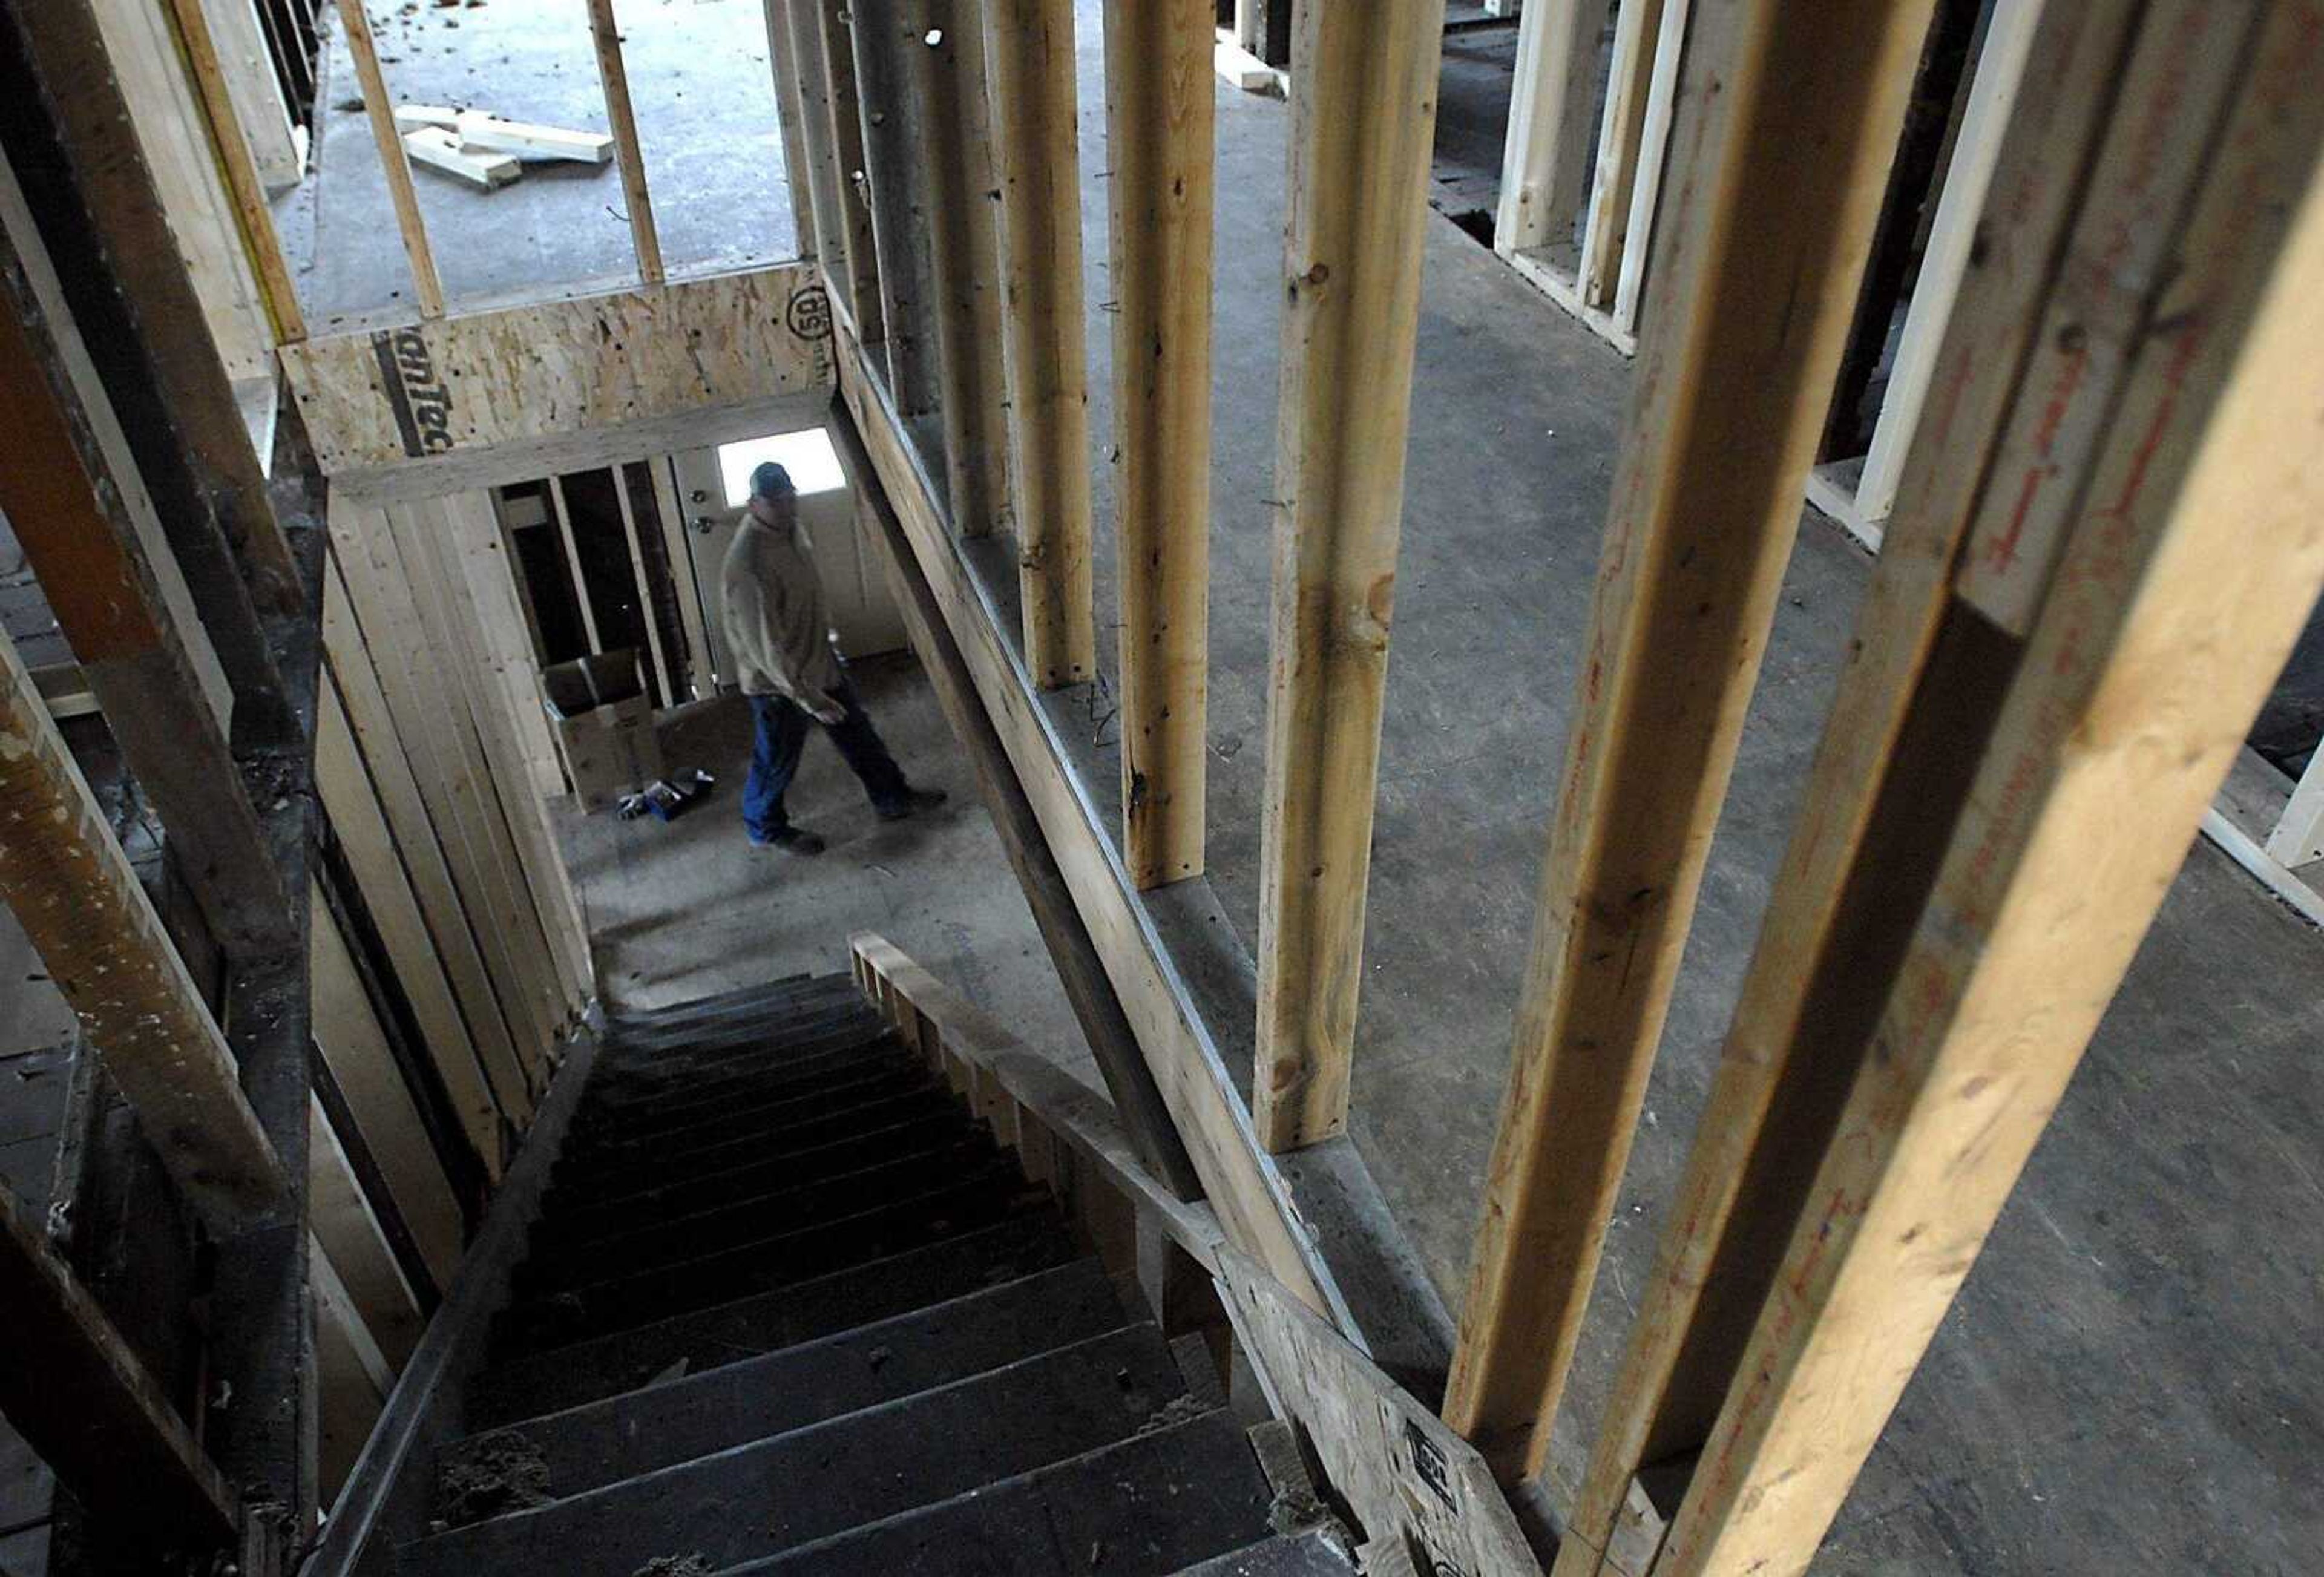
788 1307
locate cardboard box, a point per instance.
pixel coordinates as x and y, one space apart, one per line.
604 722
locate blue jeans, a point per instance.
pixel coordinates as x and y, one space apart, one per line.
782 725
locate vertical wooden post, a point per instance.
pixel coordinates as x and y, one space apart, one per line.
1738 1197
243 183
607 37
1755 289
803 38
427 290
1550 122
896 139
857 279
1621 133
1030 58
1161 143
963 222
2185 571
1363 114
790 117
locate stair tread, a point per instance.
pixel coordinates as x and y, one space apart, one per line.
669 1067
581 1254
764 1264
642 1431
681 1092
575 1184
1146 1506
563 1376
775 1494
667 1201
744 1119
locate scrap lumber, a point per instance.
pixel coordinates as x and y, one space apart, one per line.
481 132
440 151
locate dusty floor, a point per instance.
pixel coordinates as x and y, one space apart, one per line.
705 102
689 908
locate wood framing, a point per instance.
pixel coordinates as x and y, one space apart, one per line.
1029 62
1161 142
563 514
1621 132
98 936
636 199
790 114
1361 127
348 1231
427 288
1737 1199
1546 160
2106 735
77 502
256 94
238 167
897 141
802 39
77 1392
432 391
964 232
1753 294
855 273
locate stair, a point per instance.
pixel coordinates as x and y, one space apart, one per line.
788 1308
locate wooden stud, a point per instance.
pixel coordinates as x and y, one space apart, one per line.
803 38
1646 178
427 290
665 679
425 854
239 168
353 1377
360 822
896 144
78 504
1554 91
1992 99
354 1048
81 1397
2182 580
790 114
1161 142
1362 124
624 122
348 1233
258 94
678 547
1754 288
949 78
1621 137
857 277
572 564
101 942
1030 58
1733 1205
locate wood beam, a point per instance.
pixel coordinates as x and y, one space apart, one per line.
98 936
1361 126
1746 1172
1030 58
1787 121
78 504
239 168
964 224
802 39
80 173
427 288
2165 611
897 140
1621 143
635 196
1161 142
856 277
790 116
1552 120
82 1399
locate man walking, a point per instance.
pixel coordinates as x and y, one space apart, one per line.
781 638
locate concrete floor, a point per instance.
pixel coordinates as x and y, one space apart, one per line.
688 909
705 102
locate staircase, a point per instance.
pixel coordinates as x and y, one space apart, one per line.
788 1309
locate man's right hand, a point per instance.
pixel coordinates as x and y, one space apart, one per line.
825 710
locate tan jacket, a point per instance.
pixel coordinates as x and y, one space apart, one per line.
776 624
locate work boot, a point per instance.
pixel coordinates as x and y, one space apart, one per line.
915 800
792 840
